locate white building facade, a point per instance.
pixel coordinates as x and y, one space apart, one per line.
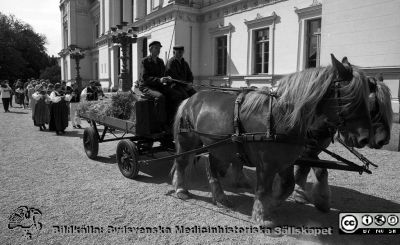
239 42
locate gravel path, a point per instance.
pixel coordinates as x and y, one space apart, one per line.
53 174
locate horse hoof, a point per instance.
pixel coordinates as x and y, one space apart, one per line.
225 203
323 207
269 228
300 196
322 204
183 194
268 224
321 198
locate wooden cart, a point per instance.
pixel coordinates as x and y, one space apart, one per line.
131 143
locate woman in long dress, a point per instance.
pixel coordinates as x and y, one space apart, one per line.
20 96
50 89
31 91
41 114
59 110
33 102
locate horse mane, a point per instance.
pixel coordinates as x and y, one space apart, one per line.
383 96
300 93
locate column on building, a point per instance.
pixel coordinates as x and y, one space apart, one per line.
140 9
148 7
102 17
116 12
127 11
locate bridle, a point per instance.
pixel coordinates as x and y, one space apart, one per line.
337 125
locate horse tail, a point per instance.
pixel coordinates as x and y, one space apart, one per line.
177 126
172 171
178 116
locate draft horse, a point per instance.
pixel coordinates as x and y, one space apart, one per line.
337 93
381 113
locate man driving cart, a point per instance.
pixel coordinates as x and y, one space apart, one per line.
178 69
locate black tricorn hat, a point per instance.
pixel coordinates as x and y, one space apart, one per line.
155 43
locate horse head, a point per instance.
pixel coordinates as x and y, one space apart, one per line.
346 105
381 113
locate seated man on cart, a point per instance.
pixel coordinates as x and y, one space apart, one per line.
153 83
179 70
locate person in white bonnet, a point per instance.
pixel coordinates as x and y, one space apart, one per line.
73 106
59 110
90 93
40 111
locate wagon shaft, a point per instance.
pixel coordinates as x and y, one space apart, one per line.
309 162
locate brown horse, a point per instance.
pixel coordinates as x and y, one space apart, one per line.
337 93
381 114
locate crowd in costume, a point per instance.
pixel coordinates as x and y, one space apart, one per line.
51 104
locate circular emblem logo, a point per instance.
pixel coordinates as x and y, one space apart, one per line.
393 220
367 220
380 219
349 223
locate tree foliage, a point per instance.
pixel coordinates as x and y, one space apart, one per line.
53 73
22 51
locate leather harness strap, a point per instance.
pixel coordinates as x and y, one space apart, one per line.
236 117
239 136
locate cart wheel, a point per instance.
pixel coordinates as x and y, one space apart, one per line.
127 155
91 142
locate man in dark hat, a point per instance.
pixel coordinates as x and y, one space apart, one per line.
154 83
179 69
90 93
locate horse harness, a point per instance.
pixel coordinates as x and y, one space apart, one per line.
240 138
269 135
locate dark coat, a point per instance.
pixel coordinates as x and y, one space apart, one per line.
92 93
151 72
179 70
76 97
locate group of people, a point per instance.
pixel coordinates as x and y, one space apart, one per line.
51 104
167 84
22 92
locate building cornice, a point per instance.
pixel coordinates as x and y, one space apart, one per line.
103 40
314 9
179 11
219 30
260 20
229 8
64 52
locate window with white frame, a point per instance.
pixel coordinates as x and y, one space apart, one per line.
260 44
155 4
313 43
309 36
221 55
221 37
261 51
